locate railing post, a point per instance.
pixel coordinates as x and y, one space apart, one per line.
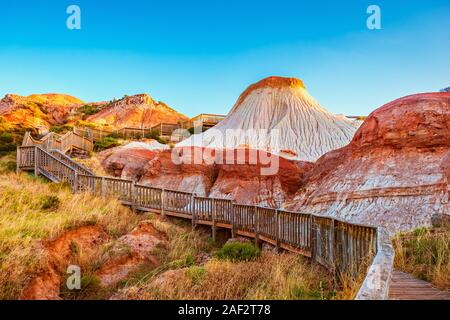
36 172
75 182
257 219
102 186
233 219
193 211
163 200
313 239
18 162
332 243
133 196
213 213
277 236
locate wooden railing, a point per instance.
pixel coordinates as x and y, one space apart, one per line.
95 134
92 134
203 119
63 143
340 246
66 159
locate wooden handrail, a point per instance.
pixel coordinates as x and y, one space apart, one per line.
62 143
340 246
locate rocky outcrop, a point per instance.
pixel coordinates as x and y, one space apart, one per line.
182 169
254 183
38 110
395 171
243 175
126 163
138 111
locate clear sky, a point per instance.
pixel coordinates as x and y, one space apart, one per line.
198 56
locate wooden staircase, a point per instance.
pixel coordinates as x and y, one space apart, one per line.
64 143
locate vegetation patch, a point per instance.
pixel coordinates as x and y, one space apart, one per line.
50 202
271 276
238 251
87 110
61 129
106 143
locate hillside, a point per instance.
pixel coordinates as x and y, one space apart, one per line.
138 111
37 111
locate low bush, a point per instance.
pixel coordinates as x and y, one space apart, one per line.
49 202
196 273
238 251
106 143
87 110
6 137
61 129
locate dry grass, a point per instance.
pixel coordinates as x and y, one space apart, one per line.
425 253
272 276
32 210
94 164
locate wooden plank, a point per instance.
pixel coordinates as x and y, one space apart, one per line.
404 286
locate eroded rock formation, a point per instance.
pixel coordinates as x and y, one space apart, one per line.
278 115
138 111
37 110
247 176
394 172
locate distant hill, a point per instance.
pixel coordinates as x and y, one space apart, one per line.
136 111
446 89
40 112
37 110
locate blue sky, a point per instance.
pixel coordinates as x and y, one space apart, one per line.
198 56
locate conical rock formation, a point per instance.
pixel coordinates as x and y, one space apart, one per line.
278 115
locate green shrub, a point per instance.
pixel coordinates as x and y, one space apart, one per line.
88 110
61 129
238 251
8 142
106 143
7 148
6 137
49 202
196 273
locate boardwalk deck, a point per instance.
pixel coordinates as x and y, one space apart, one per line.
405 287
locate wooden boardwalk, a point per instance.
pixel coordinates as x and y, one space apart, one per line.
405 287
